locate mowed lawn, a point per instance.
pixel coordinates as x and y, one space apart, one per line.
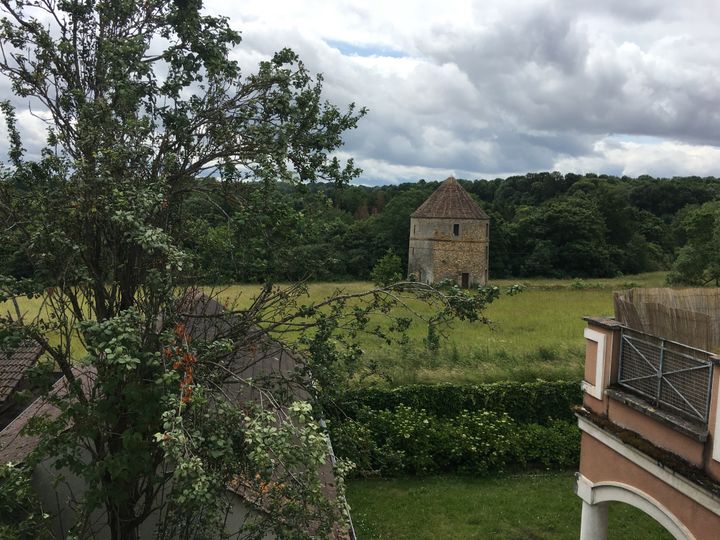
525 507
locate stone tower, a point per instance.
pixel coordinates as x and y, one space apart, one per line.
449 238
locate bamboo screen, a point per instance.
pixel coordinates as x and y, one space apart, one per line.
689 316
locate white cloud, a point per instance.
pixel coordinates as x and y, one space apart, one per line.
481 87
518 86
33 128
656 158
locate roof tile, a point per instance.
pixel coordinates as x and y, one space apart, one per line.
450 200
13 365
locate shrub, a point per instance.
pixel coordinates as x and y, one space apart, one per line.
555 446
536 402
408 434
354 440
388 269
481 441
21 515
412 441
579 284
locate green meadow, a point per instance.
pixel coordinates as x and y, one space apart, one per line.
535 334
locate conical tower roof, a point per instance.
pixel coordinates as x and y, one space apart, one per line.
451 201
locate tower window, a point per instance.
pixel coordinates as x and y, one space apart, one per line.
456 229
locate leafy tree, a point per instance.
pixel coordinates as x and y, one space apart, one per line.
388 269
145 105
345 238
21 515
393 225
100 218
573 239
361 248
698 262
665 197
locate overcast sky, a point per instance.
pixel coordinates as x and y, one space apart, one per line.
492 88
489 88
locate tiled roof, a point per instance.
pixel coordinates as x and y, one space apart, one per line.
256 356
13 365
271 366
450 200
16 447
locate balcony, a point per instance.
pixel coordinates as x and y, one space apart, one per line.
664 391
649 422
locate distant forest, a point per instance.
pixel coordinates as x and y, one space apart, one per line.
542 224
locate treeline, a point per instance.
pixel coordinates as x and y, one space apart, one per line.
542 224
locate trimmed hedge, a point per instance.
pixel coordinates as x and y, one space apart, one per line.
536 402
412 441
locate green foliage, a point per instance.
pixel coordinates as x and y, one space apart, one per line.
579 284
102 226
481 441
698 262
337 233
405 440
149 184
422 429
21 515
534 402
554 445
388 269
272 455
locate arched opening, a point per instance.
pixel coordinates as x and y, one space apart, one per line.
625 521
606 492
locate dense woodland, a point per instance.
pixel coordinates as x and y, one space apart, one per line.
542 224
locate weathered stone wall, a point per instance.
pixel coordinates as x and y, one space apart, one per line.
436 253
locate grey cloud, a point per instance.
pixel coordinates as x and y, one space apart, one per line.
544 70
522 87
637 11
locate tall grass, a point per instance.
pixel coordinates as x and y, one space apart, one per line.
535 334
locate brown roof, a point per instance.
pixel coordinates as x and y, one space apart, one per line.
450 200
13 365
15 446
256 356
272 367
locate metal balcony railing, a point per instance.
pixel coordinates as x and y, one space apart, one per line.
673 376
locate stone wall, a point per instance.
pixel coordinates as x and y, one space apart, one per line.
436 253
